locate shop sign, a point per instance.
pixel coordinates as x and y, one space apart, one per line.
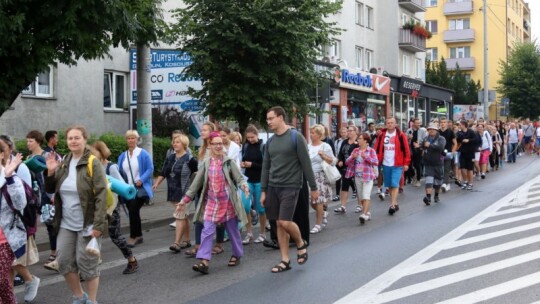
410 86
363 81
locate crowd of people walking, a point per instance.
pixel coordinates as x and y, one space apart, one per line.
232 183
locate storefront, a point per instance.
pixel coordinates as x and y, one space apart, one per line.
412 98
362 99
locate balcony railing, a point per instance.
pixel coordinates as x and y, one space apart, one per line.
452 36
411 42
465 64
414 6
458 8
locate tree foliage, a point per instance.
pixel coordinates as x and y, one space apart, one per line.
252 55
519 80
466 92
37 33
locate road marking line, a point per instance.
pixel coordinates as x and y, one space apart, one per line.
492 235
506 221
475 254
370 290
516 209
454 278
496 290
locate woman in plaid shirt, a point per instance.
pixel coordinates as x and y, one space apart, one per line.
219 203
362 164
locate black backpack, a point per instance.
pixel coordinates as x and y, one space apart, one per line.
30 211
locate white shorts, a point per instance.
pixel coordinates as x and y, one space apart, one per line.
476 156
363 189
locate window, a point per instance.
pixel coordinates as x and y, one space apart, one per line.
114 90
431 3
335 49
369 59
359 54
405 63
42 85
431 26
404 19
360 13
432 54
418 68
369 17
460 52
459 24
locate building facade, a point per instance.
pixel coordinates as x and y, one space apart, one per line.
458 36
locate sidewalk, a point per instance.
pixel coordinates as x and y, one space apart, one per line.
156 215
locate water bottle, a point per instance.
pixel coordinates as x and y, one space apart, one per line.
35 187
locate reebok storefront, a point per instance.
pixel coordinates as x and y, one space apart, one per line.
363 97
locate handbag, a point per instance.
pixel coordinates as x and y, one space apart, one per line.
141 192
331 172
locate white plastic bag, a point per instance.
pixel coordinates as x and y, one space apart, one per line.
331 172
93 247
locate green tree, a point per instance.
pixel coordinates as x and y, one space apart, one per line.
437 73
252 55
459 85
37 33
519 80
471 95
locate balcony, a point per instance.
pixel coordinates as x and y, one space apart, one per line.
410 42
455 36
414 6
458 8
465 64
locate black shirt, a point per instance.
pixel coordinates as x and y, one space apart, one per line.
449 136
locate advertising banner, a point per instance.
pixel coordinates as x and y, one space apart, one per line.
169 87
468 112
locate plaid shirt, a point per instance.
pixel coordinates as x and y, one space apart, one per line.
219 207
362 167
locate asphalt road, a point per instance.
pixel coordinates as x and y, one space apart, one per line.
456 251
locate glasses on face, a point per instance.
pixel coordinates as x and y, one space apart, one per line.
217 144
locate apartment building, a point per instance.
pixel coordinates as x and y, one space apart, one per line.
458 36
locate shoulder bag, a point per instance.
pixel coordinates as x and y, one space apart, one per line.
141 192
331 172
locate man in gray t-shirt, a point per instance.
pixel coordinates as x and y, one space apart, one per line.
528 132
286 161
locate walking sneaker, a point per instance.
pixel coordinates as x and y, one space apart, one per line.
417 183
316 229
340 210
173 224
436 199
335 198
81 300
448 187
443 187
427 201
381 196
354 194
364 217
31 288
469 187
131 267
18 280
464 186
358 209
483 175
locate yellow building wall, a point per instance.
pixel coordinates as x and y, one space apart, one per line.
504 26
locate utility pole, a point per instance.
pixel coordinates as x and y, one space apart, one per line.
486 78
144 108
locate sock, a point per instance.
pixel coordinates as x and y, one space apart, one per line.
428 196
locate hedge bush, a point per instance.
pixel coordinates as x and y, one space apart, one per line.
116 143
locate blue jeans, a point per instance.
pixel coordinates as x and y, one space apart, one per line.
512 152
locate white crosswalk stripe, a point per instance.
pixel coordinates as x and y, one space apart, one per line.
493 241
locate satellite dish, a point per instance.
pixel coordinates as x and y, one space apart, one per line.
373 70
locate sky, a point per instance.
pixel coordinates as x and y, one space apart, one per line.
534 5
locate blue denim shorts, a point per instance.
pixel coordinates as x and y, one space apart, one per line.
392 176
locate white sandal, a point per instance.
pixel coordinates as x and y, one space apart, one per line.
248 239
316 229
260 239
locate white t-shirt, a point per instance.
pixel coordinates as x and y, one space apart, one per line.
389 149
233 152
538 132
316 159
72 213
134 166
513 136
